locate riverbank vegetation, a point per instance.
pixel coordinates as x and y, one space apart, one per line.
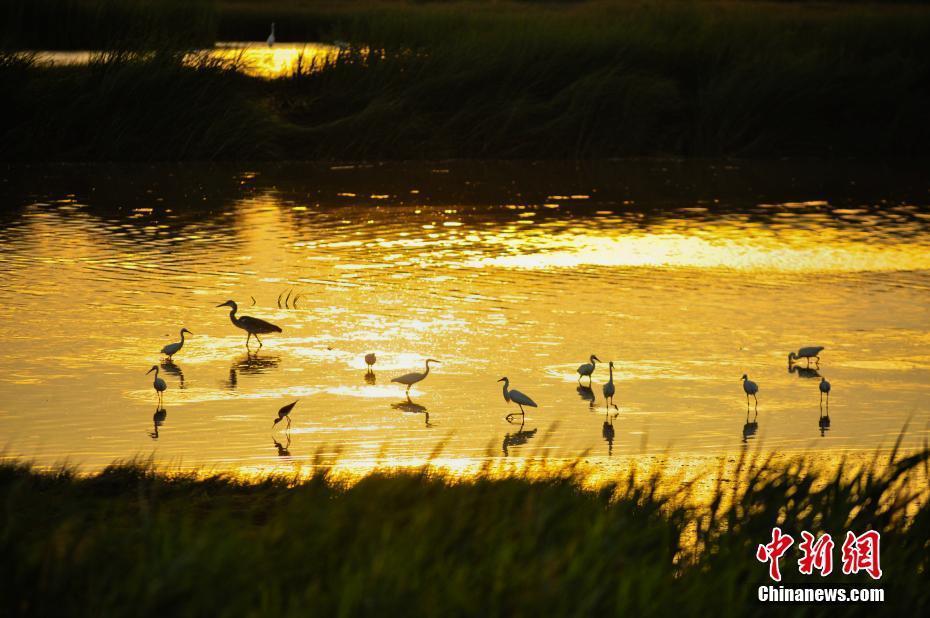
132 540
587 79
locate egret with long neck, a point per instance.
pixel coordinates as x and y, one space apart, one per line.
610 389
158 384
173 348
587 369
409 379
516 397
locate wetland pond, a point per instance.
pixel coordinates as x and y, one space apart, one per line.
685 274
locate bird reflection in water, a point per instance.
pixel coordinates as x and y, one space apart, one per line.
607 432
369 377
750 427
411 407
823 423
169 367
804 372
158 419
518 438
587 394
284 450
251 364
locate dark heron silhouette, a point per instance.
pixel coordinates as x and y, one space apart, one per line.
610 389
587 370
825 390
173 348
750 388
284 414
370 360
158 384
253 326
806 353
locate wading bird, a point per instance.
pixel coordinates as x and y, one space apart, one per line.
370 360
824 390
517 397
750 388
251 325
610 389
587 369
284 414
806 353
158 384
173 348
271 38
409 379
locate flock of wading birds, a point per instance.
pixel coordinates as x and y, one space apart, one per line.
255 327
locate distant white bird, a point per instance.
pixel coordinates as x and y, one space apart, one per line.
251 325
824 390
517 397
284 414
370 359
158 384
750 388
409 379
610 389
806 353
587 369
173 348
271 38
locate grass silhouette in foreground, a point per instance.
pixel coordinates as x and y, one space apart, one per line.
488 80
133 541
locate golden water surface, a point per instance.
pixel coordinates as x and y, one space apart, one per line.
686 278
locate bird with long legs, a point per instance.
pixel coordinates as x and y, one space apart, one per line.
158 384
173 348
825 390
610 389
284 414
806 353
515 396
587 370
253 326
370 360
750 388
409 379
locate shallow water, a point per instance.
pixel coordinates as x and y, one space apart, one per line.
252 58
685 275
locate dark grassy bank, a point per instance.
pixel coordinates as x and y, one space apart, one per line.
132 541
500 80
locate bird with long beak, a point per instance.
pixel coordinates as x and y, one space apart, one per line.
284 414
516 397
409 379
587 369
253 326
158 384
173 348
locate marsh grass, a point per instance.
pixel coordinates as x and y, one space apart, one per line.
505 80
133 540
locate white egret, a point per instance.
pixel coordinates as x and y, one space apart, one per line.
173 348
824 390
271 38
517 397
251 325
158 384
587 369
409 379
610 389
284 414
750 388
806 353
370 359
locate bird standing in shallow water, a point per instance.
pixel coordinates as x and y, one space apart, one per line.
824 390
173 348
284 414
370 360
587 369
610 389
271 39
517 397
251 325
409 379
158 384
806 353
750 388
